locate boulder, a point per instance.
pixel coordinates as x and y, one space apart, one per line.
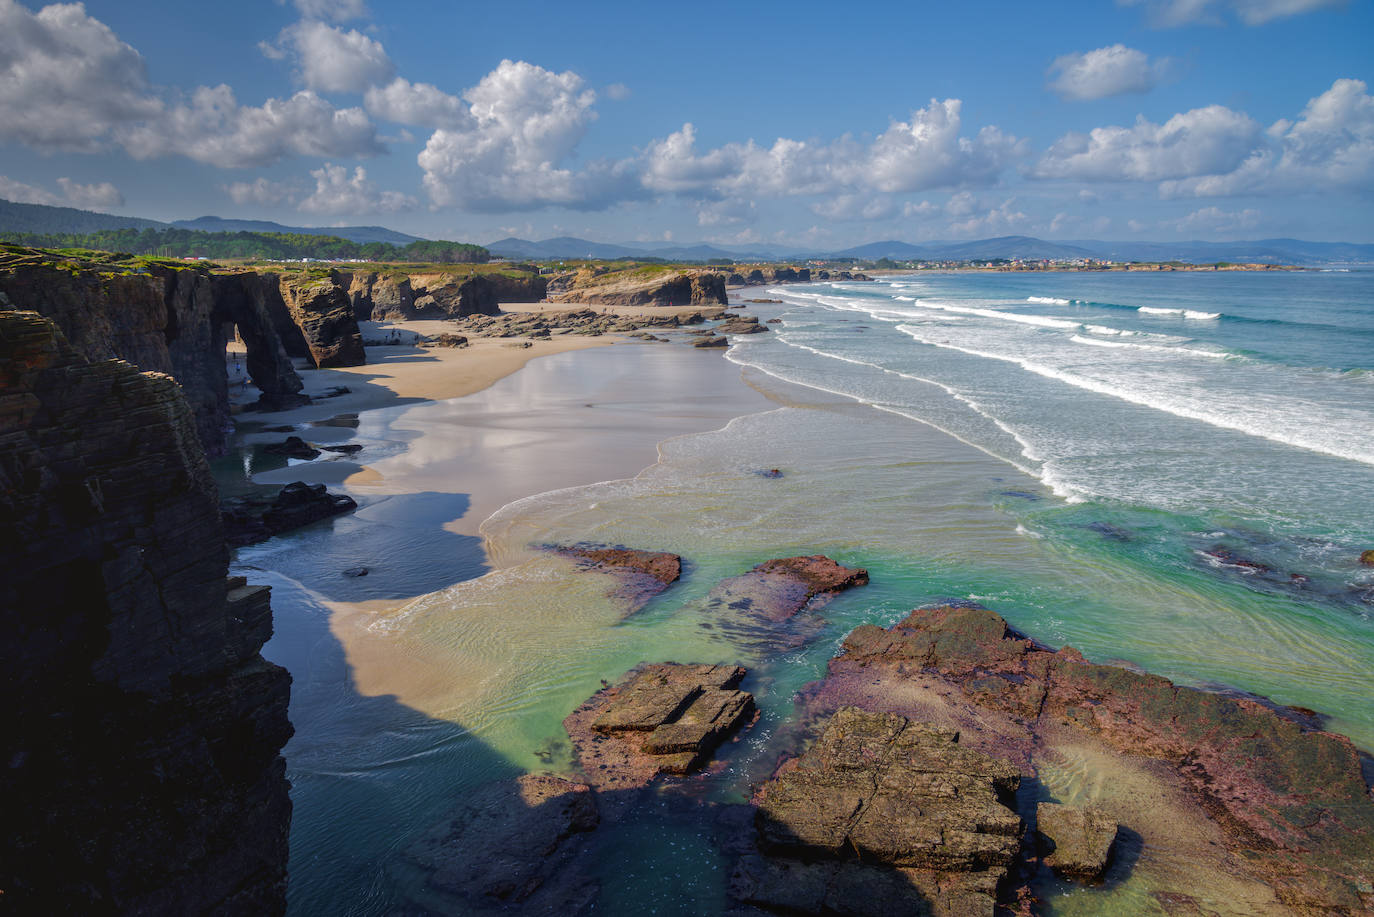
743 324
248 520
1367 557
893 812
664 718
1079 839
711 341
293 447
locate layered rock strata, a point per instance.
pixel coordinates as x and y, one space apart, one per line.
664 718
573 321
896 811
636 288
765 606
144 727
323 312
393 296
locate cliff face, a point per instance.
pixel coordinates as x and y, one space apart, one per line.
321 309
400 297
636 288
144 726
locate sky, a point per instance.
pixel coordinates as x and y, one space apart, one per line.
800 124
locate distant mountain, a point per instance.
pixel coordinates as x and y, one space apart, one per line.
1265 251
561 247
1008 247
44 219
359 234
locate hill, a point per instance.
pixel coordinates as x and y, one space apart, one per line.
359 234
41 218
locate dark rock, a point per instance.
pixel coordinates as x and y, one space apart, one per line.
641 574
293 447
143 729
281 428
448 340
250 520
323 312
1367 558
712 342
508 846
875 791
741 325
773 321
356 571
665 718
769 473
1080 839
345 448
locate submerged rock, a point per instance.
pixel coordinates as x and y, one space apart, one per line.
883 815
641 574
764 606
1080 839
293 447
1367 558
664 718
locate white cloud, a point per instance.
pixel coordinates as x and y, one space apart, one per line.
337 192
422 104
1216 220
525 122
332 60
99 195
66 79
1167 13
1110 71
333 10
261 191
847 207
1203 141
20 193
1329 147
1003 218
729 212
215 129
618 92
923 153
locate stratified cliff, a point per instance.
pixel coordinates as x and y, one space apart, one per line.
640 286
142 771
394 296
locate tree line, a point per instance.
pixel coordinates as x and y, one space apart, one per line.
262 246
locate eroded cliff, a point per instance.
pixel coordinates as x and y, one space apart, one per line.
143 760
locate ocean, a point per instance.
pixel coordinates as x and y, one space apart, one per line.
1167 470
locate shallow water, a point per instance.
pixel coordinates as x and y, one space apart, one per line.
1079 515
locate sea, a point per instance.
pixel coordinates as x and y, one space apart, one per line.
1167 470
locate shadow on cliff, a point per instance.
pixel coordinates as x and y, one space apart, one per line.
367 772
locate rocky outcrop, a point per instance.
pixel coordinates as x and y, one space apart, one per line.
143 726
393 296
573 321
1079 839
248 520
661 719
1247 792
740 324
894 811
323 312
1367 558
640 575
166 318
765 606
641 287
508 848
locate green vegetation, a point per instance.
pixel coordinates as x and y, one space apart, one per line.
261 246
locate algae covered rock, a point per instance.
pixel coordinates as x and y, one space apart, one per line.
1080 839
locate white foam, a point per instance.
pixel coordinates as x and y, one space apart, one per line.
1190 351
1050 300
1186 313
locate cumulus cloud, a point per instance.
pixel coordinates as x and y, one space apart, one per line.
1329 147
1111 71
618 92
261 191
333 10
212 127
525 123
336 192
848 207
1203 141
95 195
1216 220
332 60
66 79
1003 218
421 104
1169 13
923 153
729 212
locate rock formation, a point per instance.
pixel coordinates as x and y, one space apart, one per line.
144 727
661 719
248 520
640 575
396 296
740 324
1248 793
321 309
573 321
765 606
1079 839
883 816
640 287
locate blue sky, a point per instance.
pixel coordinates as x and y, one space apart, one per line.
801 124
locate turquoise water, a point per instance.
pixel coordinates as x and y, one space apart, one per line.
1088 493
